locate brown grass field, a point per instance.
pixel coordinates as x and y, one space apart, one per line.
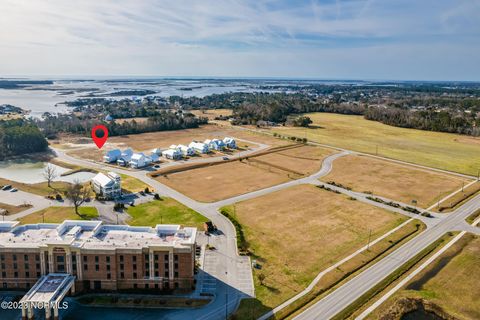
13 209
297 232
306 159
395 181
449 282
212 113
214 183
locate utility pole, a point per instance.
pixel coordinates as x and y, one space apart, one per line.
369 237
226 298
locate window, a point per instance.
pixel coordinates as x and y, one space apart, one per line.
175 257
15 265
15 274
109 276
85 258
134 258
2 257
166 257
37 257
97 267
25 257
26 266
121 258
176 274
96 259
107 259
4 274
85 267
156 265
14 257
108 267
147 273
3 265
176 265
37 266
146 257
121 266
134 275
156 257
157 274
122 275
38 274
134 267
60 259
166 274
27 274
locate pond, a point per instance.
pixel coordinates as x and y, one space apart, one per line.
29 171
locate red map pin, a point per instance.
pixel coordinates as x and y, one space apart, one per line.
99 141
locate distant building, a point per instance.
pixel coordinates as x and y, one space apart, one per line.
112 156
173 154
230 142
215 144
125 157
154 157
199 147
186 150
157 151
139 160
107 185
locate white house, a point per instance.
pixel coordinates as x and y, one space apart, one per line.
107 185
139 160
125 157
157 151
230 142
215 144
199 147
173 154
186 150
154 157
112 155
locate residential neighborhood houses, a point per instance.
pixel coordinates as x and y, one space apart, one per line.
175 152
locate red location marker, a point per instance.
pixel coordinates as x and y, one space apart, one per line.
99 141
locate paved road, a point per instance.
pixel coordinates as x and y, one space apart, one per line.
339 299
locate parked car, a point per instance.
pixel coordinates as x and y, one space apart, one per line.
14 190
7 187
226 158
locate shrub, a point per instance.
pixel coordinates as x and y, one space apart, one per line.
156 196
58 197
147 190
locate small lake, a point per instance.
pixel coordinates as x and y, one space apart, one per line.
28 171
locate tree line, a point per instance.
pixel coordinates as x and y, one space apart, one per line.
20 137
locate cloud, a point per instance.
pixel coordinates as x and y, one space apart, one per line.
248 38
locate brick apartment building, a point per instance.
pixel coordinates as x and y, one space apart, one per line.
99 256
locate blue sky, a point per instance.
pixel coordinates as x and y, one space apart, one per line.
354 39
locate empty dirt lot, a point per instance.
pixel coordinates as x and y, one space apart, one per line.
218 182
297 232
397 182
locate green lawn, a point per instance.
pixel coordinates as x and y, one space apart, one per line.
166 211
59 214
133 185
434 149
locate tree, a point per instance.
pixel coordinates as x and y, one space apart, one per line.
49 173
77 194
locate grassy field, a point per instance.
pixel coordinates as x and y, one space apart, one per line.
448 283
211 114
58 214
133 185
305 160
223 181
297 232
434 149
459 198
13 209
166 210
397 182
41 189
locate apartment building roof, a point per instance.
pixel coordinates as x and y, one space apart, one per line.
93 235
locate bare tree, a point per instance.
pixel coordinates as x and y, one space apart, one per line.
50 173
77 194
